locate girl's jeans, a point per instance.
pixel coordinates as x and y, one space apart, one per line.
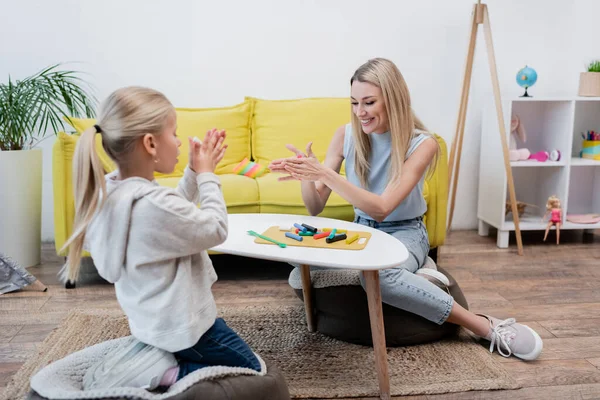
220 345
400 287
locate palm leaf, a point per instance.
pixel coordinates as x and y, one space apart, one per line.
32 106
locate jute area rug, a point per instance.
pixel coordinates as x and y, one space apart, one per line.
314 365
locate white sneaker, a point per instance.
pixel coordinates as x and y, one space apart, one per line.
512 338
132 364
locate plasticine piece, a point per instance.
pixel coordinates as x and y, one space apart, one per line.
309 228
352 239
285 228
306 233
341 236
300 227
332 234
249 168
337 230
292 236
320 235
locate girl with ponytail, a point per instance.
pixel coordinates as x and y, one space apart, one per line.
151 241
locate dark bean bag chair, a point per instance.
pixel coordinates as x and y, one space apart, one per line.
342 311
62 379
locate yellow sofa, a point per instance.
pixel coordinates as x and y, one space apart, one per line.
257 129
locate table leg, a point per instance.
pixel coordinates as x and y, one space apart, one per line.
378 332
307 294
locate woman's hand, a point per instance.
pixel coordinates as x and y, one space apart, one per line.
205 155
279 165
303 169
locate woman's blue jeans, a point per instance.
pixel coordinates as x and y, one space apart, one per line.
400 287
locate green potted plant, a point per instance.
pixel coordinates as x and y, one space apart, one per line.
589 82
29 109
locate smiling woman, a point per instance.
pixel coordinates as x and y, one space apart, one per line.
388 152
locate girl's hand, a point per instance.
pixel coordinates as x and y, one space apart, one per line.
278 165
206 154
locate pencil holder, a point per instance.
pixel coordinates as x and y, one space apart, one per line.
591 150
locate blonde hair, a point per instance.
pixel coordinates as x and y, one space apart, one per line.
125 116
402 120
553 202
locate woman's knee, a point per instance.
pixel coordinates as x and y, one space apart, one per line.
388 278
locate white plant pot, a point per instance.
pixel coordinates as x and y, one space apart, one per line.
21 205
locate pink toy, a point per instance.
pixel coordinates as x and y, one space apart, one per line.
519 155
540 156
249 168
554 209
517 130
583 218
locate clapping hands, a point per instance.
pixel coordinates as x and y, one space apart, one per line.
303 166
206 154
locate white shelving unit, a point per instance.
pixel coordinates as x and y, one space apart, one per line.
550 123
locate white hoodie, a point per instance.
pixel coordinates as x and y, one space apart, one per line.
151 242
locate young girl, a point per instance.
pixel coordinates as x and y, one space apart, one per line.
151 242
388 152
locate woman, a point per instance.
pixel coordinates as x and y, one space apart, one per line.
388 152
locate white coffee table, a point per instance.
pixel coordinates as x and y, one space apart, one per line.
382 251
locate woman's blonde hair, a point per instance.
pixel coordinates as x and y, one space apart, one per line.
125 116
402 120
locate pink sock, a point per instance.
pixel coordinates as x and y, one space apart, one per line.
170 377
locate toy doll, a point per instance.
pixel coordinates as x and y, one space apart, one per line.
553 208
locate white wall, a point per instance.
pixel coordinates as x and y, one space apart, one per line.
215 53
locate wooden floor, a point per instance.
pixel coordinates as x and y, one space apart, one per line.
554 289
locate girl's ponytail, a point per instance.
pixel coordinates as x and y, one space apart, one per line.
90 189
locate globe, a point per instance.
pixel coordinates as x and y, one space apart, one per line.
526 78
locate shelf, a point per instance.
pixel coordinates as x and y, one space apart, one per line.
575 162
526 223
571 225
584 162
534 163
534 223
550 123
552 98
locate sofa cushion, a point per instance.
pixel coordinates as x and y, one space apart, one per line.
285 198
235 120
240 192
276 123
71 141
195 122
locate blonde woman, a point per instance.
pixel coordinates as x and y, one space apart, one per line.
151 241
388 152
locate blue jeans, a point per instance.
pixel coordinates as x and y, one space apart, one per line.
400 287
220 345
